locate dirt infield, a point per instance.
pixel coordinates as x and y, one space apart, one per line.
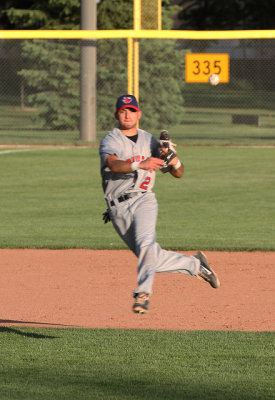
92 289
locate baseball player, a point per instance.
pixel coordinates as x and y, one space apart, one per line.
130 158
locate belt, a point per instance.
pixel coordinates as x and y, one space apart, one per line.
125 197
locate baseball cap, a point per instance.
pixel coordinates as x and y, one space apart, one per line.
125 101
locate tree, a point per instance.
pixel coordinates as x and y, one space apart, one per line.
229 15
53 75
41 14
115 14
51 70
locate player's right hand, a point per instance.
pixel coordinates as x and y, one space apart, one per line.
151 163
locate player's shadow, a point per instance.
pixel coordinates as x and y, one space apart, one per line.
33 335
12 321
28 334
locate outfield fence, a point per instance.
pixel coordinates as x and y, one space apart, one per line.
40 87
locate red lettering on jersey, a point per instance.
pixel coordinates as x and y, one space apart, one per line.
135 159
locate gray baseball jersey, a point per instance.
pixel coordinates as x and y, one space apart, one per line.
135 218
115 185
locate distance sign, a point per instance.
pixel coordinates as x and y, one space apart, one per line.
199 66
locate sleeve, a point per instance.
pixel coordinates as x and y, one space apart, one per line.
107 146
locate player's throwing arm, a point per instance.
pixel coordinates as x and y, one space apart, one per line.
118 166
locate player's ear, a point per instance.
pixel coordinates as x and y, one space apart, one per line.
116 115
139 114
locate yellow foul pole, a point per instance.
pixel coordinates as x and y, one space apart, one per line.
137 25
159 16
130 65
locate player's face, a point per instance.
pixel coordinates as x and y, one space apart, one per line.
128 118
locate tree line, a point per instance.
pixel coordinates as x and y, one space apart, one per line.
188 14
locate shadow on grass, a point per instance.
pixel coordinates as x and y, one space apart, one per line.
174 391
81 388
258 137
26 334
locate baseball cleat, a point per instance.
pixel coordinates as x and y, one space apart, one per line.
141 303
206 272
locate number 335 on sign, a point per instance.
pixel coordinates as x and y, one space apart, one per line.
199 66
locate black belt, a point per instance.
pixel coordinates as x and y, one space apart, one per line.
125 197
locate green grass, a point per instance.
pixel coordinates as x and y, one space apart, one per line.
52 198
21 127
116 364
224 201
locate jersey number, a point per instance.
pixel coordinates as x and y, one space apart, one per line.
145 183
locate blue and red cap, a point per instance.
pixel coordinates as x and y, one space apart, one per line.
127 101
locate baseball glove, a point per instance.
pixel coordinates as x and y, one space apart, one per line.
106 216
165 142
